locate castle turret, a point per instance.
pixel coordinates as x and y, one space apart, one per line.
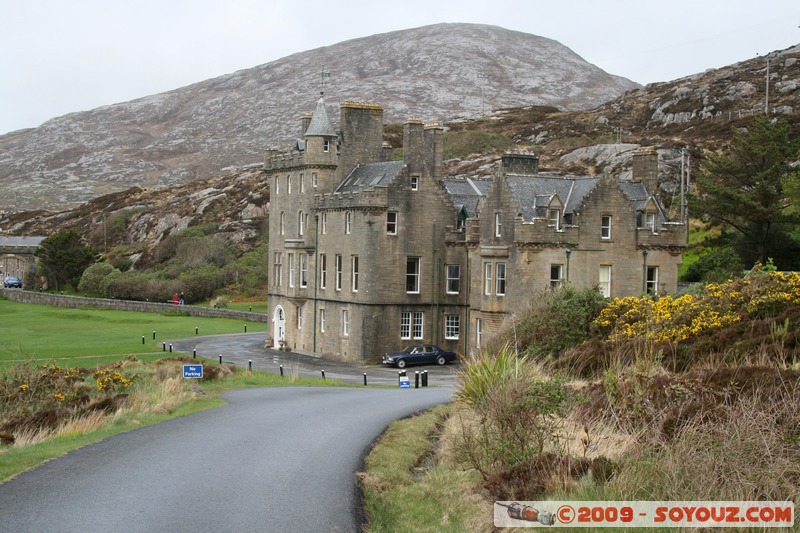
320 138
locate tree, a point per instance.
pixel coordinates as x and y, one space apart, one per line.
743 194
63 257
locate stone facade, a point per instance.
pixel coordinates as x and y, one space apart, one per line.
369 255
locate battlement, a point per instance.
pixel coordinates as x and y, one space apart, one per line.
352 104
282 161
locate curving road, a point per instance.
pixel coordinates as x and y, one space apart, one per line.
278 459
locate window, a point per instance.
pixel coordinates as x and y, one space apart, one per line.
419 318
290 260
323 271
605 227
345 322
478 332
300 223
303 270
348 217
650 221
324 223
302 182
487 279
453 279
414 183
322 321
405 325
326 145
283 223
354 272
277 185
314 180
338 267
299 317
604 280
278 269
500 279
289 184
451 326
391 223
498 224
555 218
412 274
652 280
556 275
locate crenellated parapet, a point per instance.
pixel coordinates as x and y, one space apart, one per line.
283 161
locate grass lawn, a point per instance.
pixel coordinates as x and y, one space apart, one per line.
29 331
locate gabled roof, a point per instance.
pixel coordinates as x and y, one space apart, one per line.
466 192
370 175
320 124
534 192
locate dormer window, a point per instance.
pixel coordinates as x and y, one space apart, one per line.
605 227
555 218
650 221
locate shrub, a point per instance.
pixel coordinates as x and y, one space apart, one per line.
556 320
92 278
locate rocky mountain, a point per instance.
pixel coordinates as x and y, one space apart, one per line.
440 72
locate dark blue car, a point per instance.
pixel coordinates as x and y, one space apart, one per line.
12 281
419 354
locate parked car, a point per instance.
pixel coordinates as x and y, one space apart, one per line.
12 281
419 354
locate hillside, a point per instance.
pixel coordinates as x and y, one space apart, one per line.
699 111
438 72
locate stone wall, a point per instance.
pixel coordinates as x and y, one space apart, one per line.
59 300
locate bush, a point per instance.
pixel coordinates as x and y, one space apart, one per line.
716 266
555 321
92 278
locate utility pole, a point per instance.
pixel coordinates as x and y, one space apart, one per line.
766 99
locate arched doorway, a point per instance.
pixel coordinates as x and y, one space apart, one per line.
278 326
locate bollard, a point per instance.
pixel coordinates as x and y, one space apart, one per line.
154 335
281 370
142 339
196 330
250 364
163 346
194 353
416 379
323 374
400 374
424 378
365 379
251 308
220 358
245 328
170 347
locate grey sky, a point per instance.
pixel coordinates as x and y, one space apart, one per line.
58 56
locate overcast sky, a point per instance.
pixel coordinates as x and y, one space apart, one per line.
61 56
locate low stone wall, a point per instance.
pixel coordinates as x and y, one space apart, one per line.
60 300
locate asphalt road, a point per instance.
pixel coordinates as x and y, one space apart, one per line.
279 459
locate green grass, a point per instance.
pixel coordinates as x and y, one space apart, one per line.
406 489
29 331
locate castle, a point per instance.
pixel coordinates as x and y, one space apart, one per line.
369 255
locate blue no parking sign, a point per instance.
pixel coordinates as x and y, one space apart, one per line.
192 371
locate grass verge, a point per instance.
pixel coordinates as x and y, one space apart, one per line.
410 484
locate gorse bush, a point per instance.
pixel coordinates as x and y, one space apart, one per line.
757 295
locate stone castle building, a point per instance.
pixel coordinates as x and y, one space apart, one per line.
369 254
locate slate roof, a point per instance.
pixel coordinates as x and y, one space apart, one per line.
20 241
533 193
466 192
320 124
370 175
